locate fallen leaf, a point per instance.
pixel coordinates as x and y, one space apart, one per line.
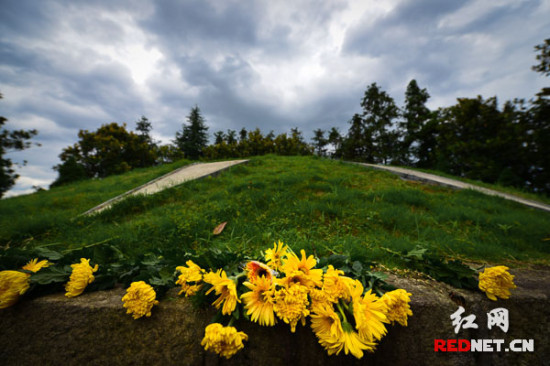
218 229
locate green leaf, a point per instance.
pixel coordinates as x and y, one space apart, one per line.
50 275
48 253
417 253
357 267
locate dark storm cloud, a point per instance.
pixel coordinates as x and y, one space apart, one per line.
25 17
401 30
452 47
207 44
221 73
200 21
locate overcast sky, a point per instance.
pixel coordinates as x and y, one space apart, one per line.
71 65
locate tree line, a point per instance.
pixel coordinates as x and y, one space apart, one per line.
475 138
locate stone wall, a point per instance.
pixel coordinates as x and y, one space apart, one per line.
93 329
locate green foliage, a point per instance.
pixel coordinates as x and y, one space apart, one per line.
472 139
452 272
319 142
319 205
543 57
359 270
254 143
14 140
109 150
194 137
371 137
415 117
335 139
70 171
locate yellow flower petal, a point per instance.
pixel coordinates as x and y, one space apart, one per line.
12 285
81 276
496 282
139 299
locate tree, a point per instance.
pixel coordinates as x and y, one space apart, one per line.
219 137
544 63
544 58
539 144
143 127
194 137
428 137
335 139
109 150
10 141
319 142
475 139
356 145
231 137
539 126
415 115
70 171
377 130
243 134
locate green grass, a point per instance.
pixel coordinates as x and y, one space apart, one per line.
38 216
320 205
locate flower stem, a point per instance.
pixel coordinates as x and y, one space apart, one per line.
342 312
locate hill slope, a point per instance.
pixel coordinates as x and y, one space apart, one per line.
320 205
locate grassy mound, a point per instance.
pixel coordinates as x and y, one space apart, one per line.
323 206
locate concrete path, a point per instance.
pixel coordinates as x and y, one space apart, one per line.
436 179
174 178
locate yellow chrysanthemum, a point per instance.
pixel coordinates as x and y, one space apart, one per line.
226 288
335 335
275 256
225 341
327 327
35 266
81 276
397 304
12 285
302 270
369 314
139 299
318 298
259 301
353 342
257 269
336 285
291 305
190 278
496 282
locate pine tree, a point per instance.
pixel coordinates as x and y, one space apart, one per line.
335 139
219 137
379 114
319 142
194 137
231 137
144 127
415 116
